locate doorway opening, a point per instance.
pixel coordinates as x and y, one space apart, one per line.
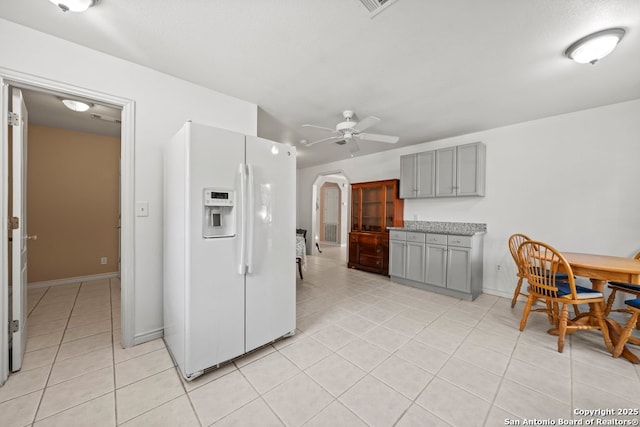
330 210
79 180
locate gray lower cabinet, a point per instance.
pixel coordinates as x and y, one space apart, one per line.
397 250
448 264
436 265
459 269
415 265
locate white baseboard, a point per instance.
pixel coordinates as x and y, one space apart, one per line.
70 280
498 293
148 336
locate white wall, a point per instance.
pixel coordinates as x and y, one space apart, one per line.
163 104
571 180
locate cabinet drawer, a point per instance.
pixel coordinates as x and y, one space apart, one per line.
397 235
438 239
416 237
369 239
367 249
462 241
370 260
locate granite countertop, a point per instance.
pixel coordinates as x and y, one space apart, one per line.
457 228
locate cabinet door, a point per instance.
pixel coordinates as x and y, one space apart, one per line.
446 172
372 208
470 165
415 265
426 174
397 258
459 269
436 265
408 176
390 191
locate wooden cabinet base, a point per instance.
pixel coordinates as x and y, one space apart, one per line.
369 252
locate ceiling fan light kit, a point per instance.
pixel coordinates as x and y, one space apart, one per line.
592 48
347 131
74 5
74 105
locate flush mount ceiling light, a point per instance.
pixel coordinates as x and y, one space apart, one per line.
74 5
595 46
76 105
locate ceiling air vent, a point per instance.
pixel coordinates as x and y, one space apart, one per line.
376 6
105 118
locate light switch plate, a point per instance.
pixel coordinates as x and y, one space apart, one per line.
142 208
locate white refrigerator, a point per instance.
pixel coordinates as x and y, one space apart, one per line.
229 245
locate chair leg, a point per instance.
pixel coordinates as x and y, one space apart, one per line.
626 333
576 310
299 262
527 310
597 310
562 327
516 292
610 300
550 312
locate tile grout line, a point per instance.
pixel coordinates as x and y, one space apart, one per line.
46 384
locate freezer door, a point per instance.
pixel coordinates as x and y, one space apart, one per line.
215 289
270 280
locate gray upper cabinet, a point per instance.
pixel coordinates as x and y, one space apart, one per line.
426 174
417 175
470 160
408 186
447 172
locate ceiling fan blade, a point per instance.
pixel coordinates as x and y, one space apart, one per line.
379 138
309 144
365 123
319 127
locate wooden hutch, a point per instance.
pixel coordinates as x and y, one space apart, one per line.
374 207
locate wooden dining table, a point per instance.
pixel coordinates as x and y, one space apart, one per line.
600 269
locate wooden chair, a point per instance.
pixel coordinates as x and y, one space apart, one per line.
514 243
634 309
623 287
541 263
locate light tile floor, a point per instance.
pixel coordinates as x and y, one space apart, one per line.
368 352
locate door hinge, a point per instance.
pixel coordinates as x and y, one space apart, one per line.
14 223
14 119
14 326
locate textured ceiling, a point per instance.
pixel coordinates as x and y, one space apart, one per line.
428 68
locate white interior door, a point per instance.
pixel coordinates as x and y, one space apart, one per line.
18 327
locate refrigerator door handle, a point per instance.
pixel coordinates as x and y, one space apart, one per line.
250 219
242 171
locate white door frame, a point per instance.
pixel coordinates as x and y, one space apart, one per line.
127 202
315 204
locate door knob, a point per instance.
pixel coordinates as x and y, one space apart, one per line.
34 237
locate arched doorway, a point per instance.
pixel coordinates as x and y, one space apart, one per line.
330 200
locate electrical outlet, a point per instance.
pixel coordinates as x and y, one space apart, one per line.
498 267
103 260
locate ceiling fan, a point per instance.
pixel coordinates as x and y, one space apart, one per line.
348 131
